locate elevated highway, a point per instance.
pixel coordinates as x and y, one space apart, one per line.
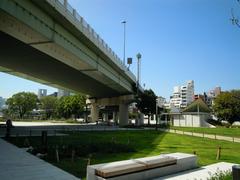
47 41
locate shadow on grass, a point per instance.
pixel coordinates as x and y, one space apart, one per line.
95 147
101 147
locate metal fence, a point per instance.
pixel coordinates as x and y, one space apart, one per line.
204 135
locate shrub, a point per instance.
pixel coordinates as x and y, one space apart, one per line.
221 175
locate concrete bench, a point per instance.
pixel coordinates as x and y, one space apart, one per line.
134 166
143 168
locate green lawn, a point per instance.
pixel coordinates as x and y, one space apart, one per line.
122 145
232 132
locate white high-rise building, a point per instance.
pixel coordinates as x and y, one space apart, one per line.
42 93
182 95
62 93
212 94
215 92
161 101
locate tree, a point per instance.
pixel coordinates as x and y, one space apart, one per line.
49 105
147 104
234 19
78 102
227 106
21 103
71 105
62 107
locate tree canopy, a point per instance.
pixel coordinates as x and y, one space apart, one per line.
71 105
147 104
49 105
21 103
227 106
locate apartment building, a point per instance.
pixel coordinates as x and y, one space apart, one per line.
182 95
212 94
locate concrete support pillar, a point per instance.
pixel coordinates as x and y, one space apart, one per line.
115 117
123 114
166 121
94 113
137 120
141 119
121 101
85 116
105 116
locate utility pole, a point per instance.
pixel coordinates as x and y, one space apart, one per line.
124 40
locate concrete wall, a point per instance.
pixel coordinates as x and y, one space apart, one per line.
191 120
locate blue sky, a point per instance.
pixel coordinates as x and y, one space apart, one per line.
179 40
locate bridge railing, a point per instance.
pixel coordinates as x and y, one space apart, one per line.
95 36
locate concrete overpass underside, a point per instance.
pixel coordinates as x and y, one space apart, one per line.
62 43
20 59
45 42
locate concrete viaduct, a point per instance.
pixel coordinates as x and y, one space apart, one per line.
47 41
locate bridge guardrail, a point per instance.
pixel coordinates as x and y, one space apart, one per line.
93 35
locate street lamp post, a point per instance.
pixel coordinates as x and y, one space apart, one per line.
138 78
156 114
139 56
124 40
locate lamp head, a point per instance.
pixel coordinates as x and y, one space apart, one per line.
139 56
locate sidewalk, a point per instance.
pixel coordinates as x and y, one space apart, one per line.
16 164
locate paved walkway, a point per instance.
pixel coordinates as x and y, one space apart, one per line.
35 128
17 164
203 173
204 135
